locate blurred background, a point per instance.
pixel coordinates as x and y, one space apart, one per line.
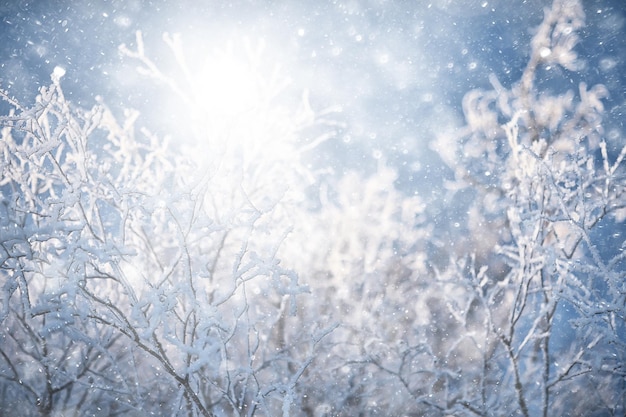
397 71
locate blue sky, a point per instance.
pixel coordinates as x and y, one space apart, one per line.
398 70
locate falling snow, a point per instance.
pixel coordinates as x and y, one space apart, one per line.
312 208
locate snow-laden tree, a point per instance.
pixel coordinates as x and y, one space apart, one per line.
143 276
55 357
529 311
363 259
544 189
216 271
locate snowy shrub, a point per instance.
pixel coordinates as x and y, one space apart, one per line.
217 271
141 276
545 189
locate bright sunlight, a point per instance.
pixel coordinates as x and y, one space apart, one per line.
235 104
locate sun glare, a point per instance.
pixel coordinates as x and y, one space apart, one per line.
238 102
226 80
226 86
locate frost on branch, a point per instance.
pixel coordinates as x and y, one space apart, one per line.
138 275
57 216
214 272
541 189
